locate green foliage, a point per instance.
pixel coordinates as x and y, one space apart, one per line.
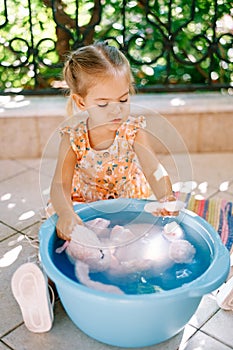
188 43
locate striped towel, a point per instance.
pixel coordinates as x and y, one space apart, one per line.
219 214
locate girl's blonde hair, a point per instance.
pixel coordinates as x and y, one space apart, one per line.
87 65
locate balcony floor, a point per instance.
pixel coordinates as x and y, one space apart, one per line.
24 189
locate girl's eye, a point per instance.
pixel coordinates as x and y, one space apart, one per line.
123 101
103 105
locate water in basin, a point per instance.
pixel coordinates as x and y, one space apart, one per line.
148 281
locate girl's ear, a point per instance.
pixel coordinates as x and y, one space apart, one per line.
79 101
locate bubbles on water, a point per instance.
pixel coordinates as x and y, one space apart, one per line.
183 273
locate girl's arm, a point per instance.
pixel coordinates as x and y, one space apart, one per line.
61 190
154 172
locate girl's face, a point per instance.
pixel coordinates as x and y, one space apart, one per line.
107 103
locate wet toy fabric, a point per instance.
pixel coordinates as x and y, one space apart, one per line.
122 250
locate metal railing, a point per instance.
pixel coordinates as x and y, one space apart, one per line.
172 45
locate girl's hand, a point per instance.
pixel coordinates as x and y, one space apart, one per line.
168 207
169 210
66 223
164 212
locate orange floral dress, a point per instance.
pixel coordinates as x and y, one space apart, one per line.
110 173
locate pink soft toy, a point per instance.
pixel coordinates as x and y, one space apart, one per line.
123 250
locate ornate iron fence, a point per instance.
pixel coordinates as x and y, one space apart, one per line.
173 45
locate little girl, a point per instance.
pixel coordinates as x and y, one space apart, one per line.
110 155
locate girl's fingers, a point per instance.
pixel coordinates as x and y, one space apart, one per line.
63 236
163 212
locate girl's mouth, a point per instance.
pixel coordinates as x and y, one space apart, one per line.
116 120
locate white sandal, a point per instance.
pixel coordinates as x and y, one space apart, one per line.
30 289
224 296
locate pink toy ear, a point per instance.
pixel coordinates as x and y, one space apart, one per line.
98 222
120 234
85 237
173 231
99 226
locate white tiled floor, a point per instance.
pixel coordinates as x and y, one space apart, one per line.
24 188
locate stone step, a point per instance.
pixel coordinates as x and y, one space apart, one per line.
193 122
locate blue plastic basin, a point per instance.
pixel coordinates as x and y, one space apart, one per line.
134 320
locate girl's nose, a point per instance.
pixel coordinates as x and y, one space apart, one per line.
116 107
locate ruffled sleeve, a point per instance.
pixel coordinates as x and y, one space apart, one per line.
132 126
77 138
140 122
